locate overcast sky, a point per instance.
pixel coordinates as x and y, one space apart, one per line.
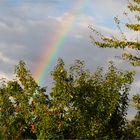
28 26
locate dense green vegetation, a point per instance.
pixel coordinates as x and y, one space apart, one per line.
132 56
81 105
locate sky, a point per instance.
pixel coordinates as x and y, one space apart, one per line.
41 31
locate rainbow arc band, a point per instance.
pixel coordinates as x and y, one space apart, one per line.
50 54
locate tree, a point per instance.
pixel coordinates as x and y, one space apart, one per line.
135 123
21 103
89 106
114 42
124 43
81 105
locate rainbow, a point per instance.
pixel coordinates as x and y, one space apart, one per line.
50 54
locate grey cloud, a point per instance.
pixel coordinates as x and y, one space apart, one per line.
26 29
18 27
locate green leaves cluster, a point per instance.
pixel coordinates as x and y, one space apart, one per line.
81 105
135 123
113 42
133 58
95 104
21 103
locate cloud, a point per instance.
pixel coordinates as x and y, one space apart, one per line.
5 76
27 27
136 85
104 12
24 38
6 59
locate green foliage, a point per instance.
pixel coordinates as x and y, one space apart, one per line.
91 105
133 58
113 42
135 124
21 103
81 105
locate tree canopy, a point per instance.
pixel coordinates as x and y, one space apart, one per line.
124 43
81 105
